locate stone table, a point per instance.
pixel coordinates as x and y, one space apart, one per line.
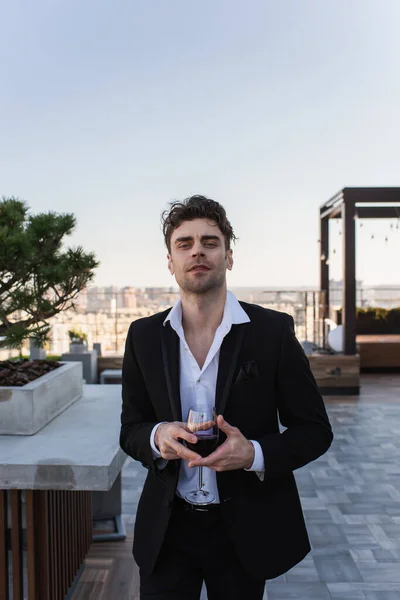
50 477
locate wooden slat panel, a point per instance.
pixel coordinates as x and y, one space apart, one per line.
38 545
56 573
4 587
84 523
62 541
80 530
59 534
67 519
30 542
42 539
89 520
377 351
70 525
77 561
57 518
52 545
16 545
73 540
108 362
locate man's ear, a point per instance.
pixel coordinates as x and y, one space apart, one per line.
170 265
229 260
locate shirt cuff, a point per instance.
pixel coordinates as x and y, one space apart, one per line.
154 450
258 462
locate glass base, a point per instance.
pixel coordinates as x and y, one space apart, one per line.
200 497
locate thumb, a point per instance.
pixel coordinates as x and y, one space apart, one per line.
224 425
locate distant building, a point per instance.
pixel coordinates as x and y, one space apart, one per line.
128 297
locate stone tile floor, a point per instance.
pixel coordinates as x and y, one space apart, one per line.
351 502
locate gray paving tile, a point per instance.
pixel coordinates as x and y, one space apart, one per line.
381 595
337 568
382 572
324 534
386 555
297 591
359 590
345 591
305 571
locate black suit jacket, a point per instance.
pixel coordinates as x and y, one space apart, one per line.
263 372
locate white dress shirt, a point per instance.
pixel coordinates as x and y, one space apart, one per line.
199 386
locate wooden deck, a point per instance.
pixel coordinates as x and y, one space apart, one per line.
110 572
351 502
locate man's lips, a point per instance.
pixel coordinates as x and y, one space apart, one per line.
199 268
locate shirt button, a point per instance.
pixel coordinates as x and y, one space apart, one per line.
198 381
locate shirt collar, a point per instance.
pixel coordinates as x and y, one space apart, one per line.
233 313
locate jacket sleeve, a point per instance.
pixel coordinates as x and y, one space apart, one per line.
301 410
137 417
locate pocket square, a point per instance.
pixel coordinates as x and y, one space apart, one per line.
248 371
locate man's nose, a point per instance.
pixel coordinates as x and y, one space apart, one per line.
197 249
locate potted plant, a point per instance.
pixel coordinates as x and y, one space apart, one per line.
78 341
39 278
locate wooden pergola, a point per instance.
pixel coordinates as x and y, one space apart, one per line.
348 204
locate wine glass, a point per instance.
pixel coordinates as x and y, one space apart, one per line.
202 422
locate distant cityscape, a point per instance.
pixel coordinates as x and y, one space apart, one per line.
105 313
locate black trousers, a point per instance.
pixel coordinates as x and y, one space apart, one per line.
196 549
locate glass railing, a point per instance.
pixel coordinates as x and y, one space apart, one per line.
105 316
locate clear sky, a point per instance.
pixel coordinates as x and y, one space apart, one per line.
112 109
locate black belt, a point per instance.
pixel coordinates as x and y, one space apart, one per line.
182 504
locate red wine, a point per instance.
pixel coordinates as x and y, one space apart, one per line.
206 443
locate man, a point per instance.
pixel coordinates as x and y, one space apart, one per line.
246 361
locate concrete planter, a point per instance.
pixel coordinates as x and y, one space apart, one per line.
27 409
89 363
35 351
77 348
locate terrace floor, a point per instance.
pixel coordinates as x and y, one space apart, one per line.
351 502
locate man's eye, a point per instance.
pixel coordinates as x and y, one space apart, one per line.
211 244
183 245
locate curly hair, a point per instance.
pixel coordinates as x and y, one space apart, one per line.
196 207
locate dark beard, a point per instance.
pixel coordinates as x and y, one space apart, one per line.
203 286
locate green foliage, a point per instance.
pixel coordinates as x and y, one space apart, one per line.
38 278
55 357
77 336
378 313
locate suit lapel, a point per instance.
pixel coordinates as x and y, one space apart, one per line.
170 355
228 357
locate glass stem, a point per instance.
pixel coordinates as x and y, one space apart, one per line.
200 478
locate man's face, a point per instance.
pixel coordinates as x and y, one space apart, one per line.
198 258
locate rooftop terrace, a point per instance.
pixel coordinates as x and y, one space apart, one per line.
351 502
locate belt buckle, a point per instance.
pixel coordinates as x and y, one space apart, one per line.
198 507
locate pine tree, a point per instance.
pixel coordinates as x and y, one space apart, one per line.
38 277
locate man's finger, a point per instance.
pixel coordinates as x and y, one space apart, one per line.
212 459
203 426
182 451
224 425
183 434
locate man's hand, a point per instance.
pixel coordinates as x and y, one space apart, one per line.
237 452
167 438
